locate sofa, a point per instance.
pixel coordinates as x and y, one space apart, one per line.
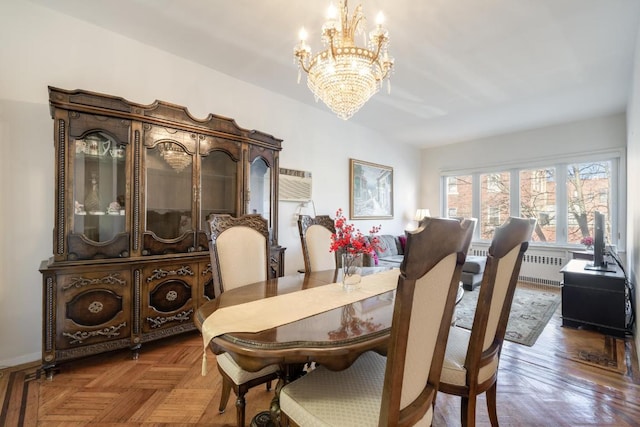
472 272
391 253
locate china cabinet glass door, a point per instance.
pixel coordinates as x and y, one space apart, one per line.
219 186
99 187
260 189
169 190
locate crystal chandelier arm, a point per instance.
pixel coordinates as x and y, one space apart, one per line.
349 30
332 47
302 50
302 55
380 40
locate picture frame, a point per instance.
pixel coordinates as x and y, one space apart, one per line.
370 190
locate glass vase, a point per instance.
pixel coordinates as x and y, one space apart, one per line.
351 271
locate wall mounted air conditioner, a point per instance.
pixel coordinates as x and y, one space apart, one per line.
295 185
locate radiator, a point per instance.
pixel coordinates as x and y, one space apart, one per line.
539 267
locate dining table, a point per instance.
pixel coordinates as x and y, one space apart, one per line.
334 338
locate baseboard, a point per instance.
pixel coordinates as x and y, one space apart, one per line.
20 360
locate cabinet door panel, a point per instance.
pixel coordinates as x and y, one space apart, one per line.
262 197
219 178
95 308
170 190
99 191
168 300
169 296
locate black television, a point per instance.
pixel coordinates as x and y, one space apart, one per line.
599 261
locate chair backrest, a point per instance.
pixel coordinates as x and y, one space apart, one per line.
239 250
498 286
315 237
425 299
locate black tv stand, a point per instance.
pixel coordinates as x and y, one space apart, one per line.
606 267
594 299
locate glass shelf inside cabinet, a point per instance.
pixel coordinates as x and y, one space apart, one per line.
169 190
99 186
219 185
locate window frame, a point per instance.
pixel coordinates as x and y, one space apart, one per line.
617 216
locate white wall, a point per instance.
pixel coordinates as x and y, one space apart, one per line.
40 48
633 179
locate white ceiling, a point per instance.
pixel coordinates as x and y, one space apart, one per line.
464 69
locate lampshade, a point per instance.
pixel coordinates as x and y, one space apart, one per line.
421 213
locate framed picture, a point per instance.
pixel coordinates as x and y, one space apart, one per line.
371 190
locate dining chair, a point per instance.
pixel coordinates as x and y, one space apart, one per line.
315 238
398 389
239 249
472 357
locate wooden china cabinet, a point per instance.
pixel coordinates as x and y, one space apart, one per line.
134 187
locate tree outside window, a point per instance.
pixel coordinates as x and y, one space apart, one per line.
588 191
538 200
460 200
494 202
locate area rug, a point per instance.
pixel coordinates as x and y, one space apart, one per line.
530 312
606 353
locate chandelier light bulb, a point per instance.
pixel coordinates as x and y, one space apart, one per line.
332 12
303 34
380 18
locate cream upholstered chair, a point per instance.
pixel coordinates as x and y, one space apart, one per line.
472 357
398 389
239 249
315 237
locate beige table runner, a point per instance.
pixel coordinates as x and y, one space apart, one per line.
263 314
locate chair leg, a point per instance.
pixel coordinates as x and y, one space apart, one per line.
224 397
240 404
491 405
468 411
268 385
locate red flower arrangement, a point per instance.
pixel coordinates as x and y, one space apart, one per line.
351 240
587 241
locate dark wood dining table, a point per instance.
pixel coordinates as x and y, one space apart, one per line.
334 339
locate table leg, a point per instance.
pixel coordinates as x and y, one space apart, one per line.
271 418
262 419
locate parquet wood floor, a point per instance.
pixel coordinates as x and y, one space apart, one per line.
538 386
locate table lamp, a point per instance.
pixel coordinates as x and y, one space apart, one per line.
421 213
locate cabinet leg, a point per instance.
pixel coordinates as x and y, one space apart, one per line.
135 351
49 371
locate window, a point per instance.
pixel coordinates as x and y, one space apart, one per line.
494 202
493 183
452 186
493 216
562 196
459 202
538 200
588 189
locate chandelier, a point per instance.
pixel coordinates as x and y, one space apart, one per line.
344 76
174 155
